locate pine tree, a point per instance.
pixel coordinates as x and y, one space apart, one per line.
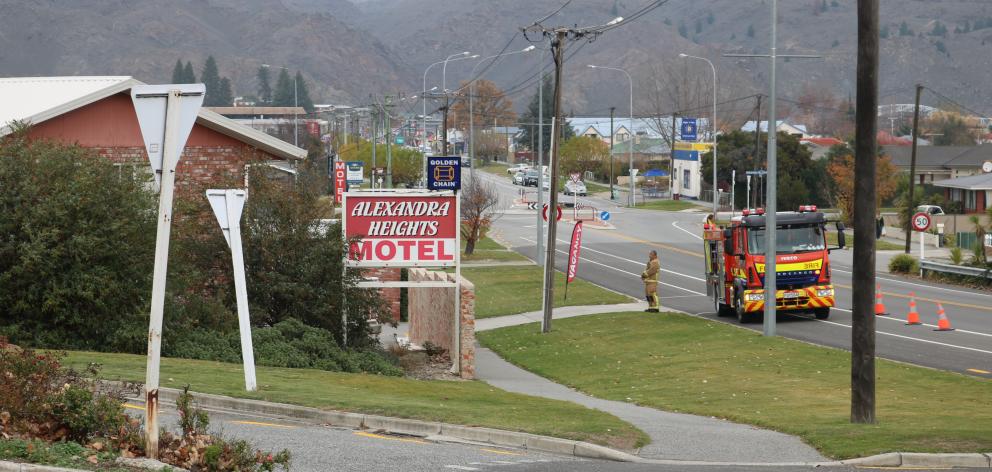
264 86
225 97
904 30
750 31
188 76
211 80
529 132
283 94
303 94
177 72
699 26
683 31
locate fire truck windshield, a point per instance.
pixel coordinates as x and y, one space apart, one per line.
790 239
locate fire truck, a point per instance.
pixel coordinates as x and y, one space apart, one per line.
735 264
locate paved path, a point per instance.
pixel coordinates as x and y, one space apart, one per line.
673 435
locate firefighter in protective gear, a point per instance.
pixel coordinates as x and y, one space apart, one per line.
650 278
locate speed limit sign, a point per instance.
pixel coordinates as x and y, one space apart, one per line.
921 221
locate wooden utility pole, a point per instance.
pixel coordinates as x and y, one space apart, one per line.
912 165
558 48
865 168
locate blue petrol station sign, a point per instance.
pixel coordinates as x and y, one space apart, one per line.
444 173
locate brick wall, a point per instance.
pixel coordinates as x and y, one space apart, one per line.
199 166
432 316
390 295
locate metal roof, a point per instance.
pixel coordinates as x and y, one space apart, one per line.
38 99
972 182
945 157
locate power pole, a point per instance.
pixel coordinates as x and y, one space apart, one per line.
389 144
671 161
444 126
865 168
611 151
558 47
374 119
912 164
757 145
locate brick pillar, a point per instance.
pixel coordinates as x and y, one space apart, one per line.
390 295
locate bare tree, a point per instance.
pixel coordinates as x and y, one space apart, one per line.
480 207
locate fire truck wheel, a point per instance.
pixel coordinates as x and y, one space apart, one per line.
743 317
822 313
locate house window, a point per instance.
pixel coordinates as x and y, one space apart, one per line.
685 179
969 200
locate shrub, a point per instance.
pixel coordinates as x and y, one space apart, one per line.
904 264
956 256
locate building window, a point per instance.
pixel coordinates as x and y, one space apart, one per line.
969 200
685 179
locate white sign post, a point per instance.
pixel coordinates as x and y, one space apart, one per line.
227 206
921 223
166 114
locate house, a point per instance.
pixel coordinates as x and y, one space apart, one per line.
644 149
97 113
936 163
599 127
620 133
687 176
819 147
974 192
781 126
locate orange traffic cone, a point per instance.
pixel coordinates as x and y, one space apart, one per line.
943 324
879 306
913 318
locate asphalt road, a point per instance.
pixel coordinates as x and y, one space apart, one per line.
615 259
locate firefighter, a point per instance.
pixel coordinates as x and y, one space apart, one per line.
650 279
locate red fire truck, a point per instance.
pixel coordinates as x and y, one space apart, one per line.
735 264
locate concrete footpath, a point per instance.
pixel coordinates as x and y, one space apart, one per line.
674 436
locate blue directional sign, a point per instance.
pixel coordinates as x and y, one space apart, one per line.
689 129
400 140
604 215
444 173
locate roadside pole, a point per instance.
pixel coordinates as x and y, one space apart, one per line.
558 45
540 256
771 205
912 164
166 114
228 205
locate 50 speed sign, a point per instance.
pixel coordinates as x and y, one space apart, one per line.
921 221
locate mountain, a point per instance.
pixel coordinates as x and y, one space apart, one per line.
349 49
144 38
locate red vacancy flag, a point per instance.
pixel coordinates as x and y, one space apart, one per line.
573 251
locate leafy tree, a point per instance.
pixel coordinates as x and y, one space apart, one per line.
529 131
177 72
264 86
211 80
585 153
835 43
283 95
489 146
841 172
188 76
76 251
950 130
303 93
407 163
490 106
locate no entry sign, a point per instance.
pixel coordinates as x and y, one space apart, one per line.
401 230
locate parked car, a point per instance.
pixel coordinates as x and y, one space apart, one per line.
531 178
517 168
930 209
466 161
518 178
575 188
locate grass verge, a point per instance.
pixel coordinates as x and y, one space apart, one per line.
680 363
487 250
880 244
668 205
465 403
59 454
517 289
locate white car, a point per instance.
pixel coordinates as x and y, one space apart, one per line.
575 188
518 178
517 168
930 209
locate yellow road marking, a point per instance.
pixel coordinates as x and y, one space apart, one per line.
979 371
134 407
388 438
256 423
652 243
496 451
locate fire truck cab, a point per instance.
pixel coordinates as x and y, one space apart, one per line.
735 264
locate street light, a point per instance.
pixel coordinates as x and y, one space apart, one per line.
296 116
445 62
632 201
683 55
471 102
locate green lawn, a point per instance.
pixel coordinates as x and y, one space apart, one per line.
487 250
880 245
517 289
498 169
680 363
668 205
466 403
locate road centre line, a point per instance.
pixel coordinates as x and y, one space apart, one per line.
906 337
619 270
134 407
921 285
979 371
634 262
925 299
655 244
